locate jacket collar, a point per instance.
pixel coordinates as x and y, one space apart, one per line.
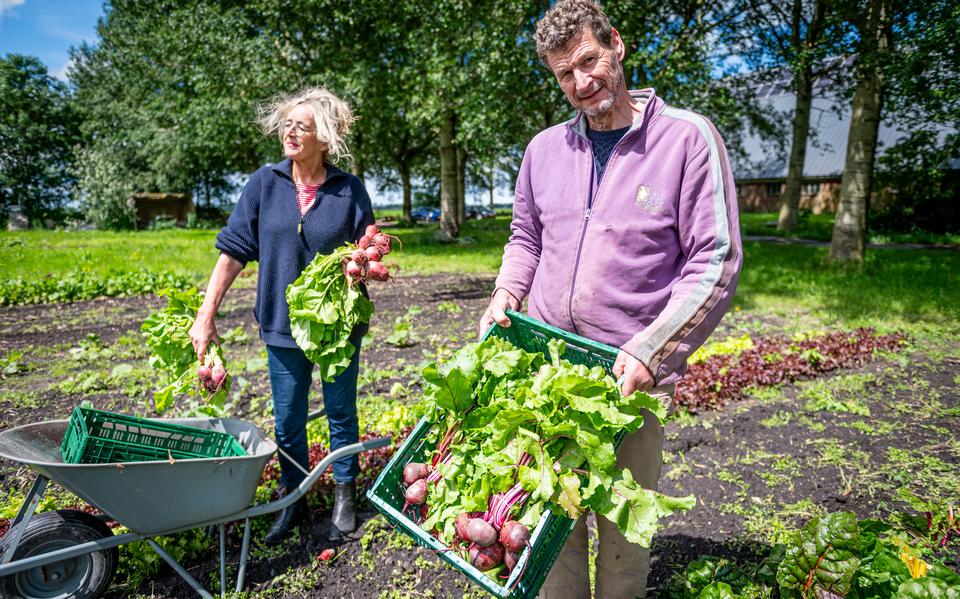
648 100
284 168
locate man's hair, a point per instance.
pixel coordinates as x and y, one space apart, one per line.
565 21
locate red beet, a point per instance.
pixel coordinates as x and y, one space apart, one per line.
416 493
326 555
414 471
486 558
461 525
382 242
480 532
204 372
373 254
353 269
359 256
377 271
511 558
371 231
364 242
514 536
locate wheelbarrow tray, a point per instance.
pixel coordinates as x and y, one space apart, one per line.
151 497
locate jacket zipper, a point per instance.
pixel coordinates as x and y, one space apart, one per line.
583 233
586 221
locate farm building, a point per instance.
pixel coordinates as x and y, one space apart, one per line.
762 173
150 206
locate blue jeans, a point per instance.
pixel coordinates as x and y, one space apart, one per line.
291 374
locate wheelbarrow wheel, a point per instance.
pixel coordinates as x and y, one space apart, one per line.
83 577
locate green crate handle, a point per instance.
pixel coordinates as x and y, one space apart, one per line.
552 531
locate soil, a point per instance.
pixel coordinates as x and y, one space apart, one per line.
762 463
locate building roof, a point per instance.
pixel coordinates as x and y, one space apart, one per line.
829 128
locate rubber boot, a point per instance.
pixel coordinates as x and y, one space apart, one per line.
290 517
344 518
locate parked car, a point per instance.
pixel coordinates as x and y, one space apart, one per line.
479 212
425 213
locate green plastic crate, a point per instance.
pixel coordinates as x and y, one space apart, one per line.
98 437
551 532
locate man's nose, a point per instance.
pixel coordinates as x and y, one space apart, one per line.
583 80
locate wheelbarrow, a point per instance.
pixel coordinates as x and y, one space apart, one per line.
70 553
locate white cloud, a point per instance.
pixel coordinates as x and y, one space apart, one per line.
61 73
8 5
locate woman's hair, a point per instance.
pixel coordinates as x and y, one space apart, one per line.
331 115
565 21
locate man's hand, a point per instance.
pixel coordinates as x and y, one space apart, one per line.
636 376
496 311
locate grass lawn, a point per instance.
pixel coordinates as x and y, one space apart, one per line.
36 254
33 255
893 289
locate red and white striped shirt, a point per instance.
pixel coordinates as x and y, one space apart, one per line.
305 196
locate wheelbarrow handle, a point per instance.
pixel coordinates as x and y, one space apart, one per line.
376 443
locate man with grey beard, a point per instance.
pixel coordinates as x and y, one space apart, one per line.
625 230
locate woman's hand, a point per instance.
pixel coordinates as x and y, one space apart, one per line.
203 331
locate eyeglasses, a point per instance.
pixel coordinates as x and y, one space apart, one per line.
300 127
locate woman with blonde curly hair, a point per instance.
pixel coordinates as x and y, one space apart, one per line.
288 213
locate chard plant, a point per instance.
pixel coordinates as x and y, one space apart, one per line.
834 556
172 355
517 434
327 300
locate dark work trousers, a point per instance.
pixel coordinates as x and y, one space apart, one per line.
291 374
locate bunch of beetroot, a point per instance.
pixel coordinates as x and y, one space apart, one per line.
211 373
365 262
491 538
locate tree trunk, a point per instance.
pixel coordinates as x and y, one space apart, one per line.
449 225
492 182
461 184
790 203
803 87
850 227
407 195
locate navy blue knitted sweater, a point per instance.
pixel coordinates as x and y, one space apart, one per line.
264 228
603 143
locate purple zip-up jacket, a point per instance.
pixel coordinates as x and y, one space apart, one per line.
648 258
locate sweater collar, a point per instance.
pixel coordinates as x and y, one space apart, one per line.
648 100
285 166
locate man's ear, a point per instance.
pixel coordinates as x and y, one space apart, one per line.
616 43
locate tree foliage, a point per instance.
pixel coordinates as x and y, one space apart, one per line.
167 98
38 132
449 95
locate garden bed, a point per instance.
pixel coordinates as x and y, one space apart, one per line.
845 440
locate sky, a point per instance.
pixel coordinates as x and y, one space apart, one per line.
47 29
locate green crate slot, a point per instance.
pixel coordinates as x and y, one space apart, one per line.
98 437
552 531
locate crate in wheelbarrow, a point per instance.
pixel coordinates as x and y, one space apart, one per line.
157 496
99 437
552 531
